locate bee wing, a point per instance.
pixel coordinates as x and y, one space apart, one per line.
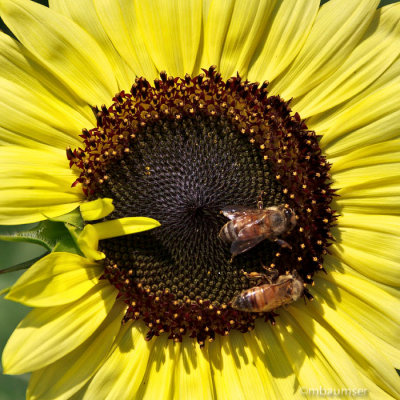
246 238
240 246
233 212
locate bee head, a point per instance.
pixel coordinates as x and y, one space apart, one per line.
290 218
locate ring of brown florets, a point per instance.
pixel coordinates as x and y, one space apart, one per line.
281 137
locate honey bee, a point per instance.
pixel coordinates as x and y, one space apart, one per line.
269 296
248 227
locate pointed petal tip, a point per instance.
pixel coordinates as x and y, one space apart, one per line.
97 209
124 226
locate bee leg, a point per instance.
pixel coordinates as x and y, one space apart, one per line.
283 243
272 273
255 275
231 260
260 204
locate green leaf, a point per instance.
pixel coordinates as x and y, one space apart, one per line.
68 245
73 218
23 265
4 291
54 236
46 234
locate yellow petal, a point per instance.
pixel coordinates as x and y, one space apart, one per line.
386 128
161 367
88 241
244 360
29 109
368 315
47 334
120 22
310 366
386 203
361 286
124 226
247 27
375 154
272 364
365 354
224 372
328 349
56 279
216 26
96 209
21 114
63 47
66 376
376 243
369 222
121 375
289 26
375 53
358 180
370 117
338 28
373 265
172 30
20 66
35 184
84 14
192 372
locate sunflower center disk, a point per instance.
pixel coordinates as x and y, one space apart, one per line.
181 151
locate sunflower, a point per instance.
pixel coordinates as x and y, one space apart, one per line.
135 111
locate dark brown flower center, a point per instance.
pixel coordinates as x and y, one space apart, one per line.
181 151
